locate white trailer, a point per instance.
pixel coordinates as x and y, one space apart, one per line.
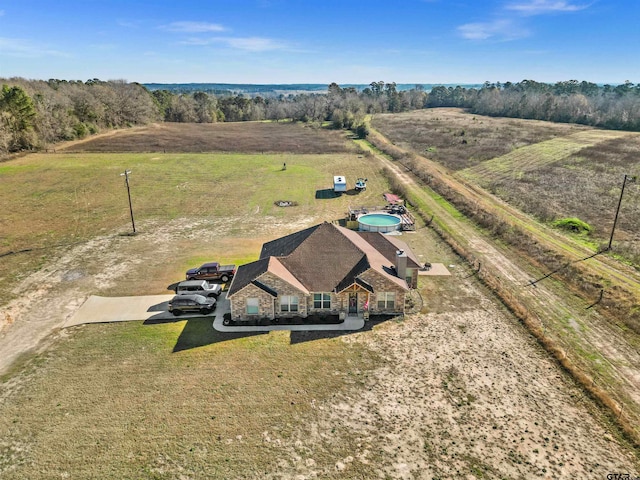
339 183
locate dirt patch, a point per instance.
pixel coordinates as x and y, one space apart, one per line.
285 203
600 354
463 394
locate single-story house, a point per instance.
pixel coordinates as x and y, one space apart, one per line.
327 270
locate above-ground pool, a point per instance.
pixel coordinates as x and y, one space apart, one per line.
379 222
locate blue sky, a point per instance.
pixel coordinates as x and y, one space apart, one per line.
309 41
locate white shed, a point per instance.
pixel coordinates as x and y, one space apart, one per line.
339 184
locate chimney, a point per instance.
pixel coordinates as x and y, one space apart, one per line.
401 264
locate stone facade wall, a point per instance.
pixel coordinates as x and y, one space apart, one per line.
414 277
239 303
284 288
270 306
336 304
381 285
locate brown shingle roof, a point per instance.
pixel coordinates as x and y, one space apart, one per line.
324 258
388 245
361 267
250 272
278 269
246 273
376 259
281 247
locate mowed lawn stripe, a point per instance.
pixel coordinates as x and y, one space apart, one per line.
531 157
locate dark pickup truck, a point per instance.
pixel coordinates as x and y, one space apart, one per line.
212 272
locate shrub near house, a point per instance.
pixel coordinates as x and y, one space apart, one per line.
325 270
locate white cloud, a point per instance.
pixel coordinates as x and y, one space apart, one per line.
539 7
510 27
17 47
253 44
503 29
249 44
194 27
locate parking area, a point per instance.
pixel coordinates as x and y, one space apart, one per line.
125 309
155 307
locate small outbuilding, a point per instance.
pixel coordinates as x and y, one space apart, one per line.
339 183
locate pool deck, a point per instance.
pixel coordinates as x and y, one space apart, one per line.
407 222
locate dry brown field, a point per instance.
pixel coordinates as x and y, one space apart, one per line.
459 140
549 170
244 137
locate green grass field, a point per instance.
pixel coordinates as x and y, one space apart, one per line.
80 195
53 199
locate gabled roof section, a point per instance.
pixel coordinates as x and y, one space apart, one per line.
376 259
251 273
279 270
357 281
388 245
281 247
247 273
360 267
323 259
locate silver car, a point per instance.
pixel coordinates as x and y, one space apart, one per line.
198 287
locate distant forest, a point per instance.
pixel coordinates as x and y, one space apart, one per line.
35 114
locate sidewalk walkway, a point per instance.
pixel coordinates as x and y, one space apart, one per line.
351 323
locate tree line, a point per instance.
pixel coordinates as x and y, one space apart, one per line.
612 107
35 113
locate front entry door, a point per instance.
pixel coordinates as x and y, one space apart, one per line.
353 302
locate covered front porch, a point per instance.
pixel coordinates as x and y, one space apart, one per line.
355 300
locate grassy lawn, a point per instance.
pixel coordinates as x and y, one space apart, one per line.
173 400
54 199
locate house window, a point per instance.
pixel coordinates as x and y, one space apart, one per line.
288 303
253 306
386 300
321 300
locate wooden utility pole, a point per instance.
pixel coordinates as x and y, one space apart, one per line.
126 179
615 220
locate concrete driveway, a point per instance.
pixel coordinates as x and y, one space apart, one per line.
126 309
